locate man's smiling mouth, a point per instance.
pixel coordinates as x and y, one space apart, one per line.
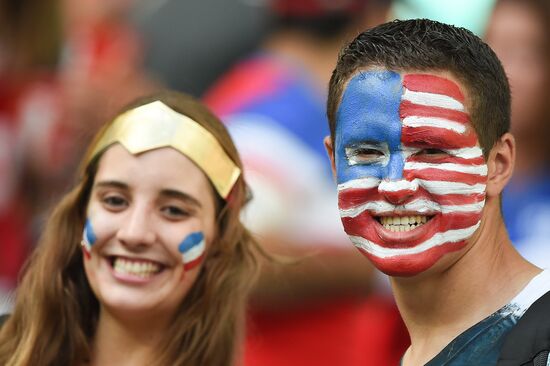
403 223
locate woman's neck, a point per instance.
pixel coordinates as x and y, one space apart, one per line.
124 341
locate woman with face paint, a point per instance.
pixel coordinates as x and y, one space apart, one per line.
145 261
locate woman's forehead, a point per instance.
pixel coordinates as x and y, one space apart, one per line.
162 168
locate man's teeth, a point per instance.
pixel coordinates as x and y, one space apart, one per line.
135 268
402 223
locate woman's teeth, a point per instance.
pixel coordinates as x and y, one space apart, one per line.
135 268
402 223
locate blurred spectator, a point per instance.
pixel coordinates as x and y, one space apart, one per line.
64 65
102 67
519 34
30 43
320 311
191 43
457 13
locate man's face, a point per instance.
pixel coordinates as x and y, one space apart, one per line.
411 175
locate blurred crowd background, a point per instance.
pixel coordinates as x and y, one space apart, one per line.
263 66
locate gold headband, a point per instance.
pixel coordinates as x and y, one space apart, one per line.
156 125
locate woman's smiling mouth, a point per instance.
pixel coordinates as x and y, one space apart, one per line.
135 267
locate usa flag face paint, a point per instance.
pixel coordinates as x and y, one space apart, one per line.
192 250
411 175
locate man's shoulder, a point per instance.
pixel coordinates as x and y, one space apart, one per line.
528 343
484 342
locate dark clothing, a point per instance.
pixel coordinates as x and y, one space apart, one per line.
482 344
528 344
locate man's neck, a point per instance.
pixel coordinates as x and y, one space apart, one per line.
437 307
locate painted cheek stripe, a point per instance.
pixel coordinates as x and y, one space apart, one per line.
467 153
88 238
435 187
192 249
469 169
450 236
419 206
363 183
448 159
364 189
409 265
445 176
357 197
364 226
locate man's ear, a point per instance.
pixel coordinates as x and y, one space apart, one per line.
330 152
500 164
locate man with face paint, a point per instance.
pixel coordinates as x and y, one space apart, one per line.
419 115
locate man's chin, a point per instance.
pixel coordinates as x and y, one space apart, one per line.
412 264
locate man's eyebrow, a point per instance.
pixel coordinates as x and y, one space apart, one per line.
182 196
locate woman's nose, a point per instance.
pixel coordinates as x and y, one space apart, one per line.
137 228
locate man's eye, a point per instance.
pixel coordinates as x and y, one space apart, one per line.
364 155
368 152
432 152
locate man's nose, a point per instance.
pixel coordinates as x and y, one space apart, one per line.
137 227
397 191
394 188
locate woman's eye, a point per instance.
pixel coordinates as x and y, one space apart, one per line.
174 212
114 201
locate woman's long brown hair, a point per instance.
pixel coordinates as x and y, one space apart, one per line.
56 312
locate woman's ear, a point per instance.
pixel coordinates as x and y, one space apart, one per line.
330 152
500 164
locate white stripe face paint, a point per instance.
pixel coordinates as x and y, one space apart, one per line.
420 206
466 153
451 236
194 253
433 100
434 122
461 168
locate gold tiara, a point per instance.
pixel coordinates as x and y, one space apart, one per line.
155 125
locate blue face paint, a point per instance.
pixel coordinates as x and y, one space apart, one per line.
88 236
368 117
192 249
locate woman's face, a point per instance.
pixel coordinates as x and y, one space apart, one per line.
150 219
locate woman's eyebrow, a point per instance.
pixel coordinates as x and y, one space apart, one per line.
111 184
182 196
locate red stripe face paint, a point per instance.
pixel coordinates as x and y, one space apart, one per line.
411 175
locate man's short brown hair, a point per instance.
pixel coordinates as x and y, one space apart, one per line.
425 45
